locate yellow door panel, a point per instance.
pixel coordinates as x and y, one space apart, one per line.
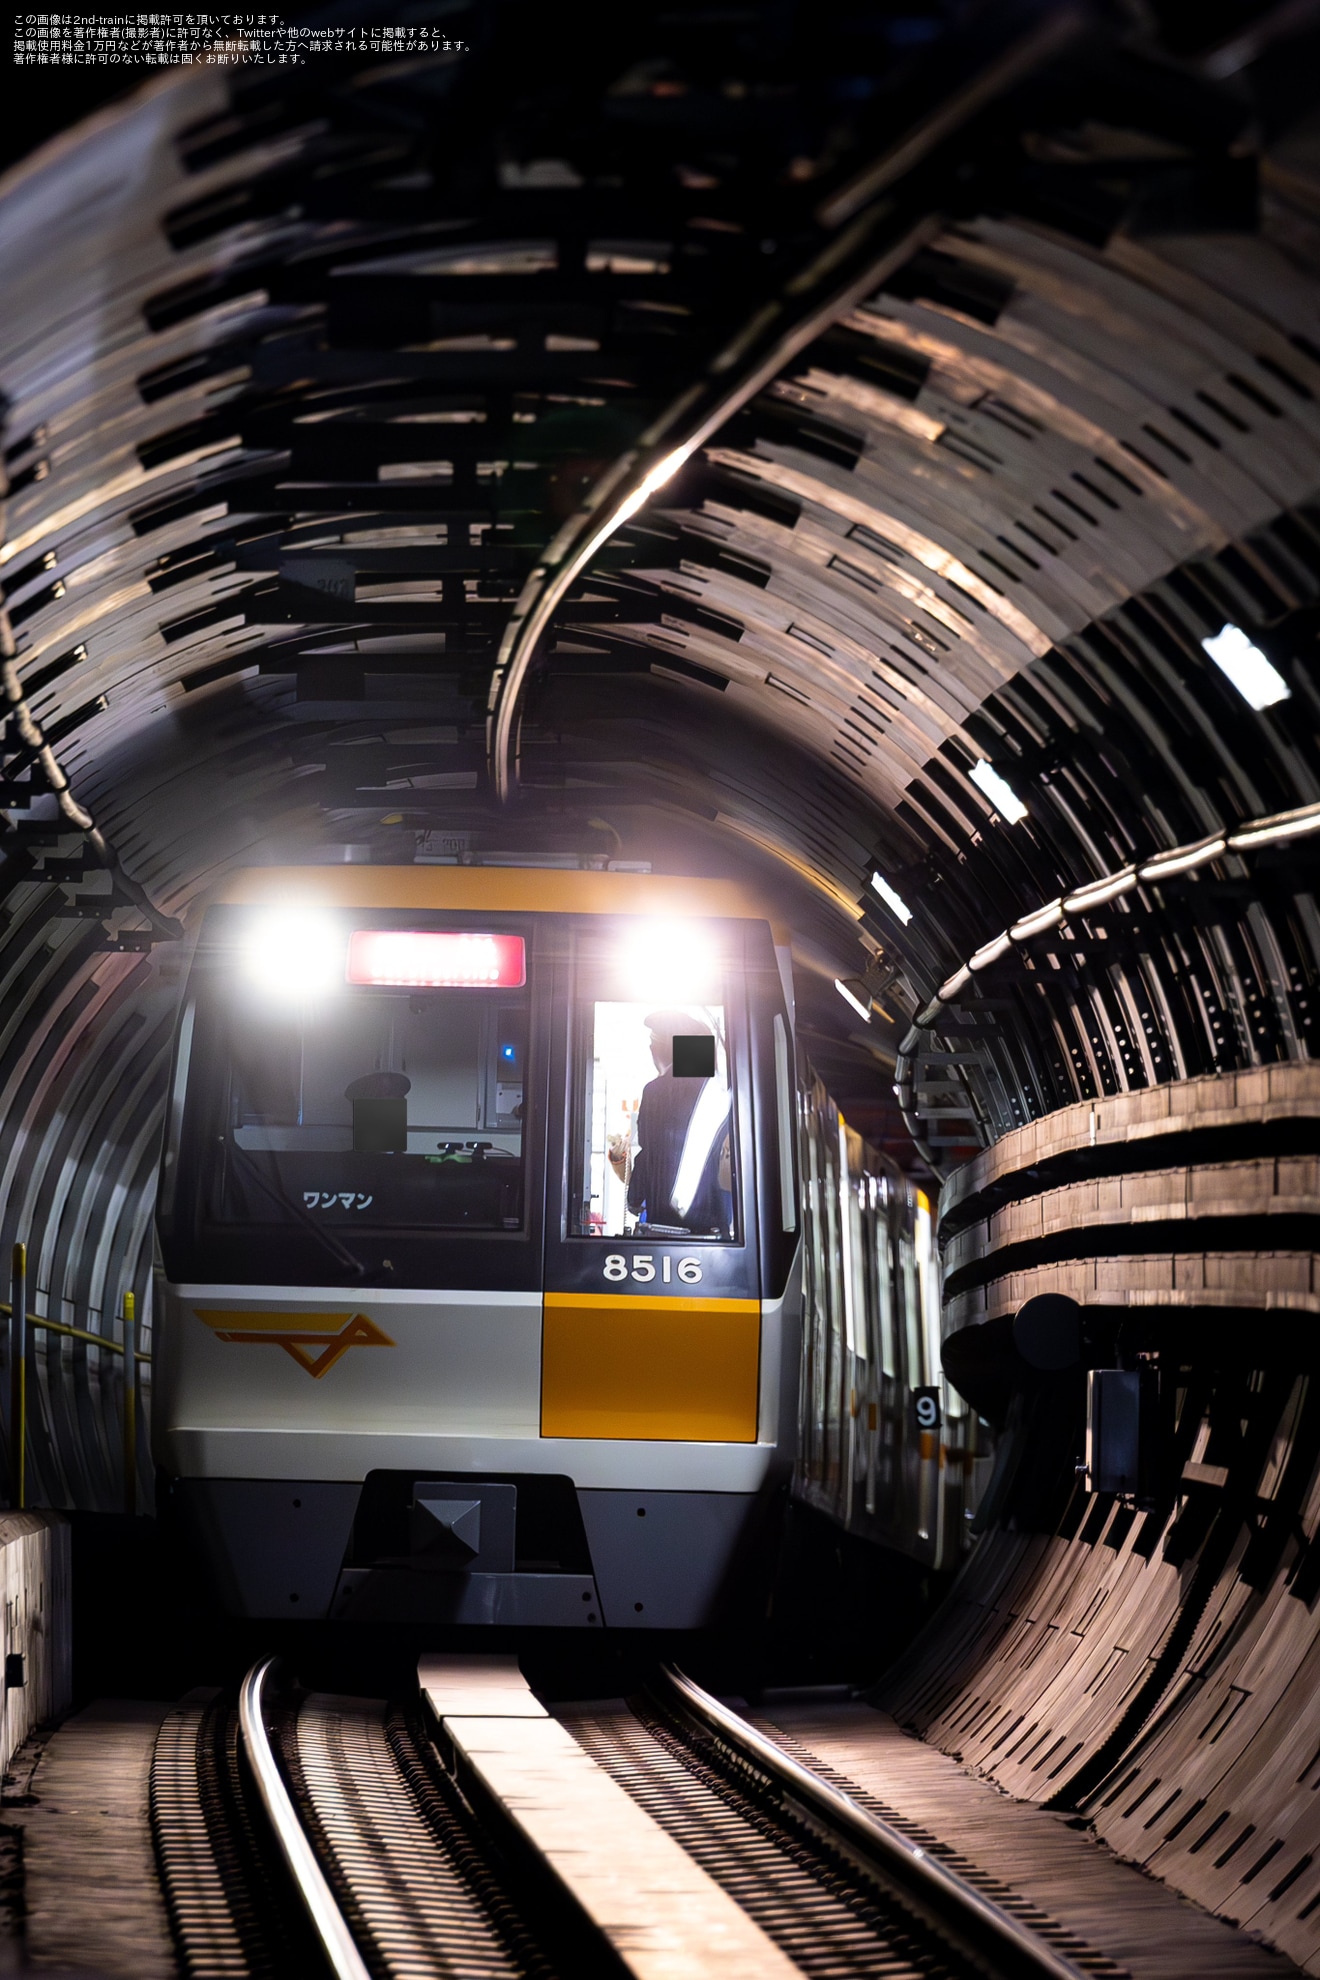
677 1370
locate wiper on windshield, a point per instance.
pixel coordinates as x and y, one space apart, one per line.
325 1238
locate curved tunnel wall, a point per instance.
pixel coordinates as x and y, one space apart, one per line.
1191 1199
1156 1674
1150 1668
987 614
301 379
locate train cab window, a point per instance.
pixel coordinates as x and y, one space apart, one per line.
655 1142
376 1105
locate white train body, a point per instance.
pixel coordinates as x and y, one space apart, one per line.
513 1399
482 1260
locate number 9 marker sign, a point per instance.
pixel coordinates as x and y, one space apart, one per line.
926 1403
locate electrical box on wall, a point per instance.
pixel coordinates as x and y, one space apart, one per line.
1120 1406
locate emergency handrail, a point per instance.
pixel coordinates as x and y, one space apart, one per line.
20 1318
106 1341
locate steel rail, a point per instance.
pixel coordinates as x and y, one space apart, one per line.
921 1875
336 1940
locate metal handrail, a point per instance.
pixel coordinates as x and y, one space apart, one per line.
129 1425
15 1308
922 1874
18 1381
342 1955
106 1341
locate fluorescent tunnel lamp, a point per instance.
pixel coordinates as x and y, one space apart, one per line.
1000 793
849 997
1258 681
893 901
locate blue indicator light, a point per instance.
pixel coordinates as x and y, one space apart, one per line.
508 1051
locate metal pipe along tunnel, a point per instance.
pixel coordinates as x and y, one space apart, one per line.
744 584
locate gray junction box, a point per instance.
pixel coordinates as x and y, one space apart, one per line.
1113 1429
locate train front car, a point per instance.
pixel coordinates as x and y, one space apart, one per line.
478 1245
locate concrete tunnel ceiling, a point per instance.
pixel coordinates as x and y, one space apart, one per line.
938 385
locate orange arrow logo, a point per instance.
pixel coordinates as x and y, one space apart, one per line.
297 1334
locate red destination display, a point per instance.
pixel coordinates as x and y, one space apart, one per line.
431 960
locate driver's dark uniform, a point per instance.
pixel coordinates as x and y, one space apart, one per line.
663 1120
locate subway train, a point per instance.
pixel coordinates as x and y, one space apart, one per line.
483 1248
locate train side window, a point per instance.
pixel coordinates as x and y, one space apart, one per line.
785 1105
656 1147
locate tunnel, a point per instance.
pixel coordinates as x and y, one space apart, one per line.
864 456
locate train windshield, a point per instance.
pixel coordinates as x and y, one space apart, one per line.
656 1141
376 1106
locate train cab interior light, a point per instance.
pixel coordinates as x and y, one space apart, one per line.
1256 679
434 959
999 791
293 954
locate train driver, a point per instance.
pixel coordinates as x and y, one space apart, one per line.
681 1177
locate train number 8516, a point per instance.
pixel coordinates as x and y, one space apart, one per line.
643 1269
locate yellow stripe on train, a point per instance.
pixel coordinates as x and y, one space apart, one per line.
651 1367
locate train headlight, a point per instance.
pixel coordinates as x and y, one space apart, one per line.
673 962
293 954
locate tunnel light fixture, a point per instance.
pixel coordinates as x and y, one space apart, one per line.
293 954
892 900
849 994
435 959
999 791
1256 679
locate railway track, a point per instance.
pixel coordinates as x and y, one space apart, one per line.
471 1834
322 1836
840 1889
